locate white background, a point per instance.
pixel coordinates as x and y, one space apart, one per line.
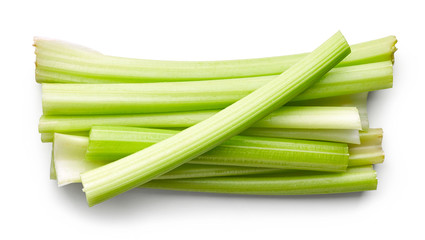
33 206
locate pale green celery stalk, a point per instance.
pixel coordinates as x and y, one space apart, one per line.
58 62
366 155
373 136
353 180
111 143
91 99
68 162
332 135
134 170
370 150
358 100
285 117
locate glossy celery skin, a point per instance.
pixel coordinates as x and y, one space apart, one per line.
134 170
296 183
61 62
285 117
112 143
92 99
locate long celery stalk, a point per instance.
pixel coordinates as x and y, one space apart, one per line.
62 62
134 170
331 135
91 99
354 180
285 117
112 143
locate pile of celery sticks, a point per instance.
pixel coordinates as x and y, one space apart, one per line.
287 125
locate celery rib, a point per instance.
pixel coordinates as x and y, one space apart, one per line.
71 64
78 99
285 117
112 143
134 170
355 179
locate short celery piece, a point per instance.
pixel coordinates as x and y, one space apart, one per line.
68 162
302 183
134 170
62 62
366 155
91 99
112 143
285 117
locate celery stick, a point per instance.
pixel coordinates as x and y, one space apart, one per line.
112 143
332 135
60 62
68 162
302 183
134 170
285 117
91 99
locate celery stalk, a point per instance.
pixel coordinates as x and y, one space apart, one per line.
285 117
366 155
91 99
134 170
330 135
112 143
62 62
354 180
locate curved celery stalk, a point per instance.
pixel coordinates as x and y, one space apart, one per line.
332 135
134 170
91 99
366 155
285 117
302 183
112 143
60 62
68 162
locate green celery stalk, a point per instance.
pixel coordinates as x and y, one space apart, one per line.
91 99
331 135
302 183
68 162
62 62
366 155
372 136
112 143
134 170
285 117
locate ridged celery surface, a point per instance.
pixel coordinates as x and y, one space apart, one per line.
134 170
331 135
112 143
63 62
68 162
285 117
91 99
353 180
